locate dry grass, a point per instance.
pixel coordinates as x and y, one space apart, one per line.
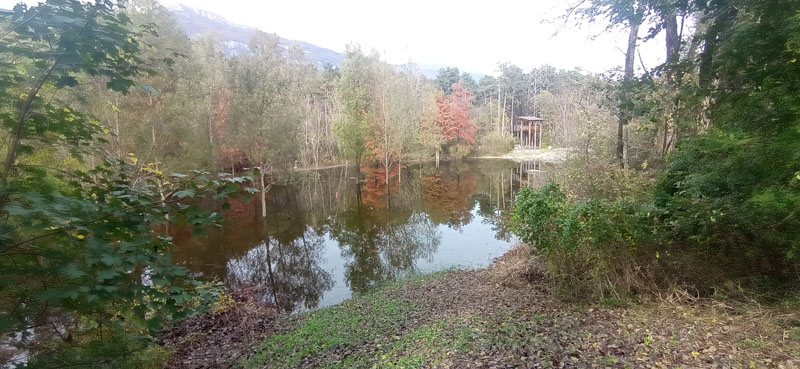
517 267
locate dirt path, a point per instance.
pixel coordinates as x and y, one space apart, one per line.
504 317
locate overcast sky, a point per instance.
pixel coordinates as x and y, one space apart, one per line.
472 35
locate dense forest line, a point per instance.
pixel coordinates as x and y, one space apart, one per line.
270 108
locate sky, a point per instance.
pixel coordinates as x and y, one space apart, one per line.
472 35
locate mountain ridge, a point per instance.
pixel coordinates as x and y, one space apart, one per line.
197 22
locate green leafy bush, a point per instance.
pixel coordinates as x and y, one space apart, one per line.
592 247
459 150
496 143
734 198
583 178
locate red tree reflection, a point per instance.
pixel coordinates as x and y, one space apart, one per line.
449 199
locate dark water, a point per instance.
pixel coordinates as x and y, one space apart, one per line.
327 236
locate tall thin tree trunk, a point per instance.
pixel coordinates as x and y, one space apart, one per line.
385 141
163 206
358 167
386 168
624 115
503 111
512 110
153 126
673 77
499 123
491 113
263 193
400 169
117 137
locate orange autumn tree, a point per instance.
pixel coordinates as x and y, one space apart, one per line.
457 127
446 122
430 136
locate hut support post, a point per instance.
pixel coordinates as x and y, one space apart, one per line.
529 133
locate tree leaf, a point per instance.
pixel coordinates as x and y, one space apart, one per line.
16 210
66 81
107 274
57 293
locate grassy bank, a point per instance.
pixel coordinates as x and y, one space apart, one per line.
504 317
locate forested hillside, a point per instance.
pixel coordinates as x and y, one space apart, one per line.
235 38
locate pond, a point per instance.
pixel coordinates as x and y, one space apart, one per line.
327 236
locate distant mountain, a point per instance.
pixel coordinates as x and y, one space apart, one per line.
198 22
431 70
235 37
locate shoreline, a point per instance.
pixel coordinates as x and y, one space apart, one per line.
501 316
555 155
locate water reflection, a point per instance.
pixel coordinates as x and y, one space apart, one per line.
381 246
291 271
532 173
327 235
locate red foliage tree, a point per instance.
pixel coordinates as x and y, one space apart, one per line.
460 126
444 119
454 115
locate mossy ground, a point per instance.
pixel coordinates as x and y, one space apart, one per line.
502 317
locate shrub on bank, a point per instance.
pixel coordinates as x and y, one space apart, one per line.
585 178
496 143
592 248
736 199
669 247
459 151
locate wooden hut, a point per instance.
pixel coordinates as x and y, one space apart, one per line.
529 131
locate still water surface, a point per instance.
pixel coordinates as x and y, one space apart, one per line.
327 236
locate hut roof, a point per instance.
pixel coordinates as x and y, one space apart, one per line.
531 117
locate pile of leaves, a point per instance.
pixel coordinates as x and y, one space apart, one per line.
215 339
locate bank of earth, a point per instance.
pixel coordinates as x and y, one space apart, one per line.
503 316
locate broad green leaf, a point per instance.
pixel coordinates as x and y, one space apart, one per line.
107 274
72 271
59 293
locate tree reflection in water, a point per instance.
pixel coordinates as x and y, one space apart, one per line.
326 228
290 272
381 248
